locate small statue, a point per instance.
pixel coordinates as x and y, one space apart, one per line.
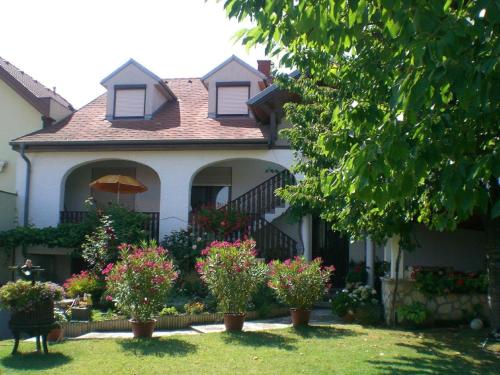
27 271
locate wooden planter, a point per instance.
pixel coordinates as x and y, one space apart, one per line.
42 314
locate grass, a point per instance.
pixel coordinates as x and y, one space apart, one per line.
336 349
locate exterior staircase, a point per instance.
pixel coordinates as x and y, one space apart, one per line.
262 206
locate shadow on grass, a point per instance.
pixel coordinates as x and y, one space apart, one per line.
158 347
35 361
323 332
259 339
443 352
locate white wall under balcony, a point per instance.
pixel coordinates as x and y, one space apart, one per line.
174 168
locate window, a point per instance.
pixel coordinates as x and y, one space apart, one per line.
130 101
232 98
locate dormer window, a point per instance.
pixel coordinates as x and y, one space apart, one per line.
130 101
231 98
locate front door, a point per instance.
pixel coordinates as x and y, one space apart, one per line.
332 248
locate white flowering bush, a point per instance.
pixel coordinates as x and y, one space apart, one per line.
185 246
360 304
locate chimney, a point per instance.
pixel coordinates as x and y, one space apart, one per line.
264 66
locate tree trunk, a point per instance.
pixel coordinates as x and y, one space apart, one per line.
493 266
395 291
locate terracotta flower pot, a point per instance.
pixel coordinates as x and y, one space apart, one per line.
300 317
143 329
234 321
55 334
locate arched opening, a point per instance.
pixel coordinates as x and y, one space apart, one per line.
76 191
248 186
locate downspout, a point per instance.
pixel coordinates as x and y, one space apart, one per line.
27 186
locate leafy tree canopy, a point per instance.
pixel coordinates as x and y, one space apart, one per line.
398 120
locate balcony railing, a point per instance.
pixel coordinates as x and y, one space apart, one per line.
151 225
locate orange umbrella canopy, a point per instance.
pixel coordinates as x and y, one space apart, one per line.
118 184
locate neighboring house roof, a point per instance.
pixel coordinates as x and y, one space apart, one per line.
30 89
239 61
144 70
183 121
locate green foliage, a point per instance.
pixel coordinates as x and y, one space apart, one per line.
263 301
169 311
232 273
140 281
128 227
415 313
298 283
361 304
185 247
440 281
342 303
398 117
25 296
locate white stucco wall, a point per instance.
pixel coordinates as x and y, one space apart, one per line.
175 169
232 72
132 75
462 249
246 174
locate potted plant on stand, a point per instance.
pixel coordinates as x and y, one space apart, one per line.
232 274
139 283
299 284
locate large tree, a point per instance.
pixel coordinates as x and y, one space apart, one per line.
398 120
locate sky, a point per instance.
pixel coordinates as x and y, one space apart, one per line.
72 45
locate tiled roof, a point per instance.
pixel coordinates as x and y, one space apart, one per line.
30 84
182 120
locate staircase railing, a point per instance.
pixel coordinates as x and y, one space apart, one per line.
272 243
261 198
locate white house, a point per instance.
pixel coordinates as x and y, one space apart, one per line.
25 106
213 139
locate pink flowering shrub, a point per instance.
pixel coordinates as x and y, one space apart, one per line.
84 283
140 281
232 273
298 283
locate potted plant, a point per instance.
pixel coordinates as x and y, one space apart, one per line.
56 334
30 303
232 274
299 284
139 283
83 283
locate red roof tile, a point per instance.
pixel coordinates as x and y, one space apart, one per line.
182 120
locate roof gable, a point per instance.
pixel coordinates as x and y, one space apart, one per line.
237 60
144 70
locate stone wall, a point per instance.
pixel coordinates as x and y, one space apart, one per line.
450 307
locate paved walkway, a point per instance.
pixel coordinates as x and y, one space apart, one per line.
318 317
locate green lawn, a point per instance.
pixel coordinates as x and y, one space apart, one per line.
337 349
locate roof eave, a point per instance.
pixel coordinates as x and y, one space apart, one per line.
239 61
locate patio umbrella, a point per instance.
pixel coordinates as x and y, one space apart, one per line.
118 184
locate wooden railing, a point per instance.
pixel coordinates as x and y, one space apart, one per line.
151 225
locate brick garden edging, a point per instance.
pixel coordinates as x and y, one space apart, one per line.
449 307
74 329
